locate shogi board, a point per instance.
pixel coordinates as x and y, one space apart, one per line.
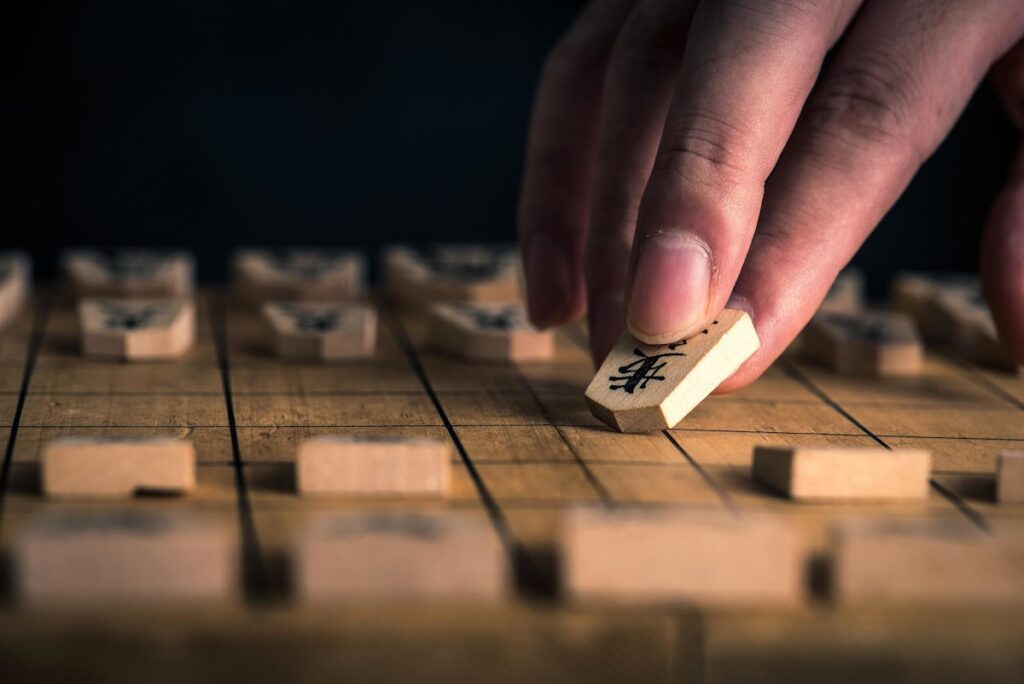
525 446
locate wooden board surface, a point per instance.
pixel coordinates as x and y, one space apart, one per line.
525 446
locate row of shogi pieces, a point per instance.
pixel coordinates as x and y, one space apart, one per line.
941 308
617 554
138 304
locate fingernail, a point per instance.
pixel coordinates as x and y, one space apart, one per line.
547 280
607 320
670 288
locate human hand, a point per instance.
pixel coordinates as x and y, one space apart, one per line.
687 155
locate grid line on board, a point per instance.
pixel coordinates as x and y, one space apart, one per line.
955 499
41 309
254 570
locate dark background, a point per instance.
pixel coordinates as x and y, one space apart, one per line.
215 124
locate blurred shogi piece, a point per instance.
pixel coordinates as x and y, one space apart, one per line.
400 556
489 332
307 275
137 329
130 273
829 473
674 554
373 466
88 468
867 343
102 557
316 331
15 284
452 273
878 562
950 309
1010 477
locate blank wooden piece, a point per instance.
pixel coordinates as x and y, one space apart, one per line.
669 555
77 467
844 473
309 275
321 331
452 273
373 466
642 388
137 329
130 273
1010 477
15 284
869 343
489 332
927 562
399 556
92 557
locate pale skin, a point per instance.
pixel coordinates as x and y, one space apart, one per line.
688 155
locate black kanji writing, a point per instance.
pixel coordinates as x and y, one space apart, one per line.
506 318
637 374
124 317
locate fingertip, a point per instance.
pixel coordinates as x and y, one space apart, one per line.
552 288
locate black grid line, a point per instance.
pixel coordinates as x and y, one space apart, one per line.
595 483
490 503
40 317
255 573
711 482
955 499
975 376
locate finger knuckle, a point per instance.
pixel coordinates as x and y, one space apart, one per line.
867 103
706 149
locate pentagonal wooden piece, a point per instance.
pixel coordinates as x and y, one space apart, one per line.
129 273
137 329
310 275
844 473
1010 477
400 556
870 343
489 332
846 294
98 557
641 388
972 330
321 331
914 293
80 467
15 284
452 273
373 466
927 562
673 555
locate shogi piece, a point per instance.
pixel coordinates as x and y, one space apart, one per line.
399 556
670 555
373 466
489 332
927 562
452 273
308 275
844 473
1010 477
130 273
642 388
77 467
846 294
92 557
915 294
15 278
965 315
321 332
137 329
870 343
